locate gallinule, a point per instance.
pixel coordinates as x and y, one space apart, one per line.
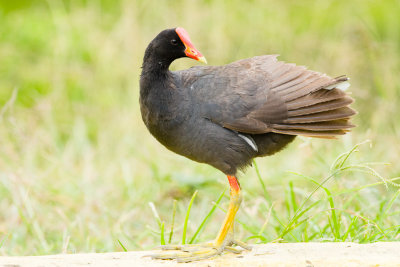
227 115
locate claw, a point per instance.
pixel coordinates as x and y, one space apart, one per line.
233 250
241 244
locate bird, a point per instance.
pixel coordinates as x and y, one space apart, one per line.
225 116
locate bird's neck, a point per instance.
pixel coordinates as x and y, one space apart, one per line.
156 77
154 66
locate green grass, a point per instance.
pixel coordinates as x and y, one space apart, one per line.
78 167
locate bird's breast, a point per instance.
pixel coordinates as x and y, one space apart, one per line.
165 117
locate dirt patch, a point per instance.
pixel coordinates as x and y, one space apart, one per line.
292 254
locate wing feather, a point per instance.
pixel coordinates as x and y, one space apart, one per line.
261 95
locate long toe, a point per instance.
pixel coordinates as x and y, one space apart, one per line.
187 248
196 252
199 255
188 254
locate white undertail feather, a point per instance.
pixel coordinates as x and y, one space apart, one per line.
341 86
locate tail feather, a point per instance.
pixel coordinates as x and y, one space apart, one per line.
299 83
317 84
288 77
316 126
340 113
325 134
319 96
317 109
282 70
281 85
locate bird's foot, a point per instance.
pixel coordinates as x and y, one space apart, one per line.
188 253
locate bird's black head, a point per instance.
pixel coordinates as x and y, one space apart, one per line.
168 45
172 44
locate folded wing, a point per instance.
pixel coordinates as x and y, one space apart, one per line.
261 95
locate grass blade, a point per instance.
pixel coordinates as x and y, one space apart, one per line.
390 204
122 246
161 224
266 221
266 195
342 158
351 225
207 217
187 218
292 205
335 221
162 233
173 222
155 213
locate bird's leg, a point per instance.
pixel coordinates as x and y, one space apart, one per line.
225 238
226 233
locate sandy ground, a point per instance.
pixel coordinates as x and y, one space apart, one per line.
293 254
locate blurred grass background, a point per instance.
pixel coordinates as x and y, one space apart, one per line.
78 167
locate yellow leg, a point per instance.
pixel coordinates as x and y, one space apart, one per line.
225 238
225 235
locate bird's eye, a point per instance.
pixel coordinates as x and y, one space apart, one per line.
174 42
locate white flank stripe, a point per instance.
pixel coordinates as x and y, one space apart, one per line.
249 141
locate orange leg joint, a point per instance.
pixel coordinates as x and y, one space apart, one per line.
234 183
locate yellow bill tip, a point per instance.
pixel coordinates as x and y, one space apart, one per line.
202 59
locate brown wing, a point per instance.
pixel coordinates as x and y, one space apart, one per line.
261 95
